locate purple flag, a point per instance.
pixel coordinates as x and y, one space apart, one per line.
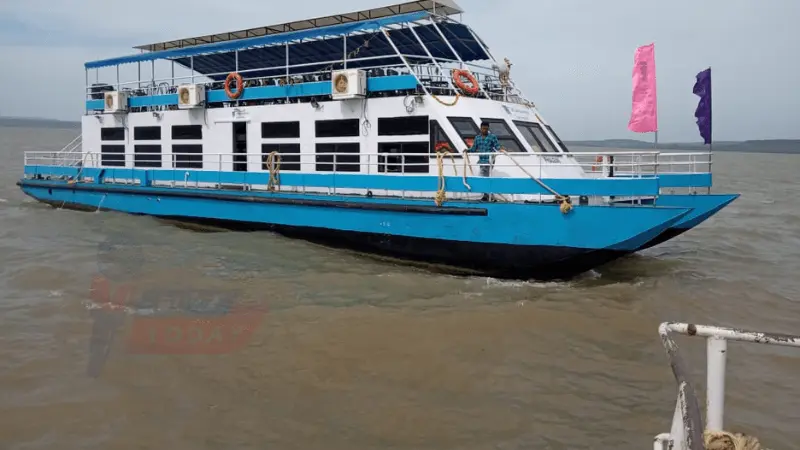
702 88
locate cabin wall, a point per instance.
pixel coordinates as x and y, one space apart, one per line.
217 125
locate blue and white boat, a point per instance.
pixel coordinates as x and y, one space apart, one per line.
348 130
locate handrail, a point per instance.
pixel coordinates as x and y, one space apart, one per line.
537 160
687 424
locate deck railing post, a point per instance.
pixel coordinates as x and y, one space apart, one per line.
715 391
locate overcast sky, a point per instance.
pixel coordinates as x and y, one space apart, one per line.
573 58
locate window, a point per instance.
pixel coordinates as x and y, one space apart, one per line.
348 157
184 132
147 155
402 126
290 155
112 134
504 134
147 134
466 128
188 156
278 130
558 139
112 155
337 128
395 157
439 139
535 136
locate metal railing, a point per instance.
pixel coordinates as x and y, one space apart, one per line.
595 164
687 423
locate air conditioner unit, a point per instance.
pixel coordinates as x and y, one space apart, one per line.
191 95
115 102
350 83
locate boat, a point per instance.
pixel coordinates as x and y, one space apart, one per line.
350 131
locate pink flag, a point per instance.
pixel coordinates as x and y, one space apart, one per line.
644 114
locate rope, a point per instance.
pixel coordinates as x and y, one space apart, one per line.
274 171
441 195
458 96
566 204
723 440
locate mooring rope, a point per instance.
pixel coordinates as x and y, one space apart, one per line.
566 204
723 440
274 171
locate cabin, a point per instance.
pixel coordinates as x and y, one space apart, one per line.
378 91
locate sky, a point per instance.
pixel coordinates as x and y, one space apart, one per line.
572 58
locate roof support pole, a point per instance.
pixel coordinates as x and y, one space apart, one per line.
405 61
139 74
344 40
441 70
117 77
86 91
461 61
191 67
287 72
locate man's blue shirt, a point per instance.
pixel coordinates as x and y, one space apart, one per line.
484 146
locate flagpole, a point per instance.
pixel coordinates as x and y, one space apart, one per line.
711 135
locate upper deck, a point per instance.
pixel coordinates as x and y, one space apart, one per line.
405 48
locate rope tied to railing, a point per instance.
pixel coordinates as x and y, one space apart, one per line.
566 203
274 166
723 440
441 194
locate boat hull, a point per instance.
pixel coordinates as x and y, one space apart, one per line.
703 207
513 241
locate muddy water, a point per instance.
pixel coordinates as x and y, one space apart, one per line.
354 353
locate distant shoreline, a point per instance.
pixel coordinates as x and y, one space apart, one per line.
790 146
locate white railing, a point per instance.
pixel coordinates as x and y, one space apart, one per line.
595 164
687 432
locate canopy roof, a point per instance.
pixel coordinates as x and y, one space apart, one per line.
439 7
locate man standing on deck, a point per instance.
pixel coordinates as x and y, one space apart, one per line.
485 144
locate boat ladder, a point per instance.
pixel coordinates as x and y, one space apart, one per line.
71 154
687 432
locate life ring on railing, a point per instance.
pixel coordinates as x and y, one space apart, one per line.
461 77
239 86
597 160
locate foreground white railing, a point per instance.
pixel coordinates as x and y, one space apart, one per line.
687 431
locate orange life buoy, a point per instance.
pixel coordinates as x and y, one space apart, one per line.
239 85
597 160
442 146
461 77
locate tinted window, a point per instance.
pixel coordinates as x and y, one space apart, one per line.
187 132
112 134
112 155
147 133
290 155
558 139
535 136
402 126
504 134
276 130
466 128
440 140
147 156
337 128
348 157
401 157
188 156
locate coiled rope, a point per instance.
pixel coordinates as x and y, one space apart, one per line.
274 166
566 204
723 440
441 194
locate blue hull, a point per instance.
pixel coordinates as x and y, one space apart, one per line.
703 207
496 239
